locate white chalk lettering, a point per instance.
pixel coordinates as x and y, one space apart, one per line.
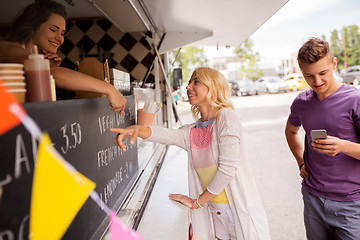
120 175
9 235
20 157
106 156
110 121
120 119
100 128
6 235
23 224
7 180
111 185
74 137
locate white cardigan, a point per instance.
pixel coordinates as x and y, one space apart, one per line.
233 174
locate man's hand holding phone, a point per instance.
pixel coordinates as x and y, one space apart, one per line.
318 134
328 145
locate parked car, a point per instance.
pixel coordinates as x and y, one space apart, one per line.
271 84
243 87
338 77
295 82
352 75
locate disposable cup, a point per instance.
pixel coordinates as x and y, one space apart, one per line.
5 73
8 79
11 66
144 118
19 94
15 85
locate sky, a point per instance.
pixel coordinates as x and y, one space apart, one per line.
293 24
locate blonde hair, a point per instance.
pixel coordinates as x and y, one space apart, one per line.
219 92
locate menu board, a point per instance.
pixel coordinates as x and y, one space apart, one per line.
79 130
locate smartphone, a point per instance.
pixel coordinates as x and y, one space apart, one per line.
318 133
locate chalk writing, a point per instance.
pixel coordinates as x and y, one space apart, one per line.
78 141
20 157
21 162
9 235
120 174
111 121
74 139
107 155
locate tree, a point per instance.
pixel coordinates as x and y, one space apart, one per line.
249 60
188 59
346 43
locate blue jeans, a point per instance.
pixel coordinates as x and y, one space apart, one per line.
330 220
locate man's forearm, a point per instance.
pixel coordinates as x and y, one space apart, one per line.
351 149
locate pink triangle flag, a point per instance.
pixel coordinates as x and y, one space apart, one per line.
119 231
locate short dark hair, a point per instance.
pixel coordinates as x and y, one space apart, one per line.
31 17
313 50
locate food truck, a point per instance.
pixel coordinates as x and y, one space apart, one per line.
132 37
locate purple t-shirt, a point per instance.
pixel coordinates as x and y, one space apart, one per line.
338 177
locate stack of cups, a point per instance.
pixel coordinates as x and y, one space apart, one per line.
12 75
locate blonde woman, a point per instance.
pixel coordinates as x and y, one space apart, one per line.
223 197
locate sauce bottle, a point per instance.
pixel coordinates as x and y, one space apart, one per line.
37 72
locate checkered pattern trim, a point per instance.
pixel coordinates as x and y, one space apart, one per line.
99 38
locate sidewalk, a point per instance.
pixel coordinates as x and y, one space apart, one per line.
163 218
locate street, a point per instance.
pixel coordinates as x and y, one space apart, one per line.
276 172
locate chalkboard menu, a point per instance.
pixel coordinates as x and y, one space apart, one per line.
79 130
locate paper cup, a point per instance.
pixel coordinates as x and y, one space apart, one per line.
19 94
11 66
144 118
15 85
5 73
9 79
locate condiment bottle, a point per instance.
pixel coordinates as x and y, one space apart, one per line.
37 72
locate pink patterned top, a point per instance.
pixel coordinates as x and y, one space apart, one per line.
203 157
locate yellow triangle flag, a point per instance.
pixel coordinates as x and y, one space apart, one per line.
58 193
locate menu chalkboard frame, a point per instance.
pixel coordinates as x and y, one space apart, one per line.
80 132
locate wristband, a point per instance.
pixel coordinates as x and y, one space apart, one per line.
197 202
300 166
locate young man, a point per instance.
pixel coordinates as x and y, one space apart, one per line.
330 167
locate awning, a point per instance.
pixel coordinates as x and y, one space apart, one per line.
185 22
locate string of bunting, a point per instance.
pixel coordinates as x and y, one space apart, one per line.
48 217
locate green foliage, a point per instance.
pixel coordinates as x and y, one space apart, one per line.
346 41
249 60
188 59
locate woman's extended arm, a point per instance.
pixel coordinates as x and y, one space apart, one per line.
12 52
72 80
133 131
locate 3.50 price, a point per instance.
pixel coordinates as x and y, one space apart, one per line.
72 136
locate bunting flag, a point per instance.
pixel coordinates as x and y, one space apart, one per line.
58 193
119 231
9 105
